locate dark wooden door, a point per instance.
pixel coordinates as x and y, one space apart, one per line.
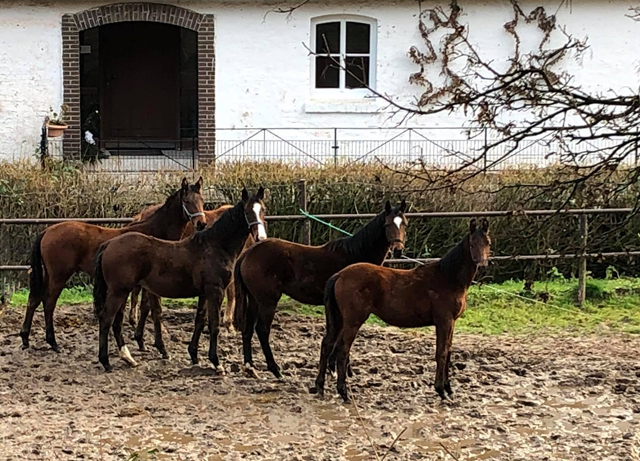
140 94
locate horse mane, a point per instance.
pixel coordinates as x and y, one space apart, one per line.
362 241
152 211
451 263
224 227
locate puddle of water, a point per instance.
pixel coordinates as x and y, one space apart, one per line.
169 435
353 454
285 439
245 448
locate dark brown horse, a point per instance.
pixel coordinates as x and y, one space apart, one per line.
201 265
275 267
212 216
434 294
69 247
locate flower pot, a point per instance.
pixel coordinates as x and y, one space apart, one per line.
55 131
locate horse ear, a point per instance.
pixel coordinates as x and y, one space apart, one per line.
403 205
387 207
245 194
185 185
261 193
198 185
484 224
472 226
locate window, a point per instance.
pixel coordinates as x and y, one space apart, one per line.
344 59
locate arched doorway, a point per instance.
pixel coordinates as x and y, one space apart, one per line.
147 69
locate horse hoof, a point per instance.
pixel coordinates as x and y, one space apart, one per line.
166 356
25 346
251 371
315 390
333 374
447 388
126 356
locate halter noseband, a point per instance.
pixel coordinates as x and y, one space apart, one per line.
190 215
252 223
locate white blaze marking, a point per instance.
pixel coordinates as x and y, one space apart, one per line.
262 232
126 356
397 221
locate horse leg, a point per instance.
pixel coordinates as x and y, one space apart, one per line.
343 348
156 313
263 329
247 336
134 311
326 354
112 305
123 350
49 306
332 365
214 300
227 318
447 383
142 319
197 330
25 331
444 333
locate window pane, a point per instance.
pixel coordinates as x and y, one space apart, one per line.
327 73
357 72
328 38
358 37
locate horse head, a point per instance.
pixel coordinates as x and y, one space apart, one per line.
193 203
254 213
479 242
396 227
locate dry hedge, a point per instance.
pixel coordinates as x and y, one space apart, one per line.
63 191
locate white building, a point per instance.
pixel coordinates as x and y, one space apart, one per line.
167 73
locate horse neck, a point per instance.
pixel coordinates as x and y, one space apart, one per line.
229 232
458 266
167 222
372 249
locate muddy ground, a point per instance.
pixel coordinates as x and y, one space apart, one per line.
516 398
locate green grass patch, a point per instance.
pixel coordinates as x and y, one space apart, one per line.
507 308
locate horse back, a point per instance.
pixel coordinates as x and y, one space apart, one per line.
273 267
72 245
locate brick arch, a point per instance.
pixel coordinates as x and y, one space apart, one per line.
202 24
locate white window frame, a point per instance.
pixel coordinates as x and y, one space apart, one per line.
343 92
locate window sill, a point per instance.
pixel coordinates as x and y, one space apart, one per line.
337 106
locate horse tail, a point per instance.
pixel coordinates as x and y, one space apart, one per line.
331 308
242 297
37 284
99 283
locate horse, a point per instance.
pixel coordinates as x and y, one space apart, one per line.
433 294
211 217
69 247
275 267
201 265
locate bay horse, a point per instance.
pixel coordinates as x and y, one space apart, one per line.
70 247
275 267
201 265
433 294
211 217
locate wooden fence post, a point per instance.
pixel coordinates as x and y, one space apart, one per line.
582 264
306 225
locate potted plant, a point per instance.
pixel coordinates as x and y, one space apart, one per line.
56 124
